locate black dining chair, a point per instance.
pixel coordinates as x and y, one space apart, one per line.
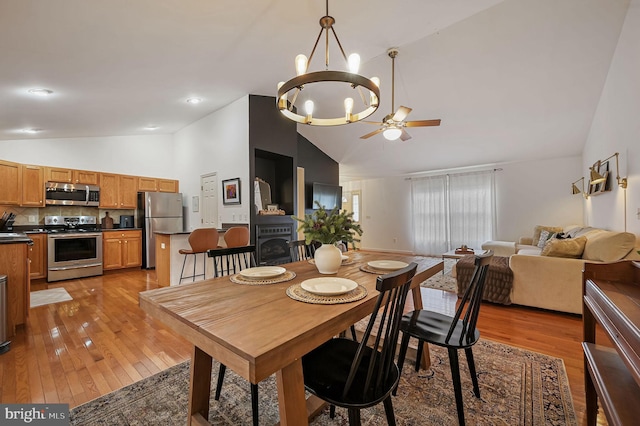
300 250
229 261
454 333
354 375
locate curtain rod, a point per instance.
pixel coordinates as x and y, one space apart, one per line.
442 173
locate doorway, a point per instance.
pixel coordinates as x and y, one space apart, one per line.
209 197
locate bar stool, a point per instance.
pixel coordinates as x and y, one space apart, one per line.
237 236
201 240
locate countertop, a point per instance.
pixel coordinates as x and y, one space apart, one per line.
14 238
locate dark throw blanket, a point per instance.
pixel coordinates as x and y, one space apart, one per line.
497 287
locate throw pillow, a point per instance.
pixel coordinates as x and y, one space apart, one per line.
544 237
538 229
570 247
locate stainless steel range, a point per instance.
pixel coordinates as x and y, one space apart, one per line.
74 246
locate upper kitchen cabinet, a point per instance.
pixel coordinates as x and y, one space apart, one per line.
32 186
147 184
118 191
167 185
11 178
55 174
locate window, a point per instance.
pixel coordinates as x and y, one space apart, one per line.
451 210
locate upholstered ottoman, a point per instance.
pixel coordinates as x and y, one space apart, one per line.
500 248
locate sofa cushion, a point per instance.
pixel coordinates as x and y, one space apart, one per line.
544 237
538 229
569 247
608 246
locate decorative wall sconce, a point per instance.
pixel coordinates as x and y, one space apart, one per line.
575 190
596 177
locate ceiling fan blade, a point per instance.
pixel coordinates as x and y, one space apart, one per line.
401 114
405 136
422 123
368 135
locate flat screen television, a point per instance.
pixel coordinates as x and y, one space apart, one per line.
329 196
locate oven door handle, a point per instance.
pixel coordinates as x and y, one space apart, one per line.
66 268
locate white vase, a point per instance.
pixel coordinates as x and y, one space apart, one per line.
328 259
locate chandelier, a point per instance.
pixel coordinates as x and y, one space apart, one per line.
286 101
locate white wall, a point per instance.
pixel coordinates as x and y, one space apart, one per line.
136 155
616 128
216 143
528 194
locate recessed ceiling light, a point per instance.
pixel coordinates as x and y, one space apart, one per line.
41 92
31 130
194 100
151 128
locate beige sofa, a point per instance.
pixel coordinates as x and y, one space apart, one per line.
544 278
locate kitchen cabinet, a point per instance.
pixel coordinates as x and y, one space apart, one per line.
38 256
14 263
32 186
121 249
146 184
11 178
167 185
57 174
118 191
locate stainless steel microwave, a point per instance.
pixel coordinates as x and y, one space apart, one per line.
68 194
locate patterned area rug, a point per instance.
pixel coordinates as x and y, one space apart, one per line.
46 297
442 281
517 387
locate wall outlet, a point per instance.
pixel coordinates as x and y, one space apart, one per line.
395 239
163 246
32 219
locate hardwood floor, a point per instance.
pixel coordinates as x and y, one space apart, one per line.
100 341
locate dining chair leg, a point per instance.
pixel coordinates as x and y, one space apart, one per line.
472 369
401 355
353 333
354 417
254 403
419 354
182 272
195 260
388 409
221 371
457 386
332 411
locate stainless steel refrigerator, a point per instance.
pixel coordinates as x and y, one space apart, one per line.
157 211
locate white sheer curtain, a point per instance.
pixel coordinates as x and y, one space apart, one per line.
430 214
451 210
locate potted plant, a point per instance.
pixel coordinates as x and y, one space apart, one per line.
329 228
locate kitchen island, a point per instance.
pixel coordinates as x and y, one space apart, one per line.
14 263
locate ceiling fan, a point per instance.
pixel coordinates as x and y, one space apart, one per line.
392 126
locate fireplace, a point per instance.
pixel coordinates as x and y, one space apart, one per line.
272 246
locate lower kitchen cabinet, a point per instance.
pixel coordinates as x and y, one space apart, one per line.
38 256
121 249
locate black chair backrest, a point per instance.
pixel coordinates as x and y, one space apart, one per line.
228 261
393 288
301 251
469 306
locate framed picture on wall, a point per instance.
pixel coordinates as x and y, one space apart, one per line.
231 191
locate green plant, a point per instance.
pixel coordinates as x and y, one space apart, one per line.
329 227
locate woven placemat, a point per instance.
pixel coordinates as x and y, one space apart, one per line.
344 262
239 279
298 293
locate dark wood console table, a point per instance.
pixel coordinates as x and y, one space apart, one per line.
612 375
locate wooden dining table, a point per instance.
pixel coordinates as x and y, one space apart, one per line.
258 330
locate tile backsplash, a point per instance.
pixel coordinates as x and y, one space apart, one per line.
35 215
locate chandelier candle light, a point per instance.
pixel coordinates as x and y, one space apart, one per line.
286 105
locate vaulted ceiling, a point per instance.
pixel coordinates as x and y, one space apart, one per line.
511 80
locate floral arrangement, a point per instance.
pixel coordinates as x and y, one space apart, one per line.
329 227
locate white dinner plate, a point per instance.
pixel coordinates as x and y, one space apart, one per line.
262 272
345 257
328 286
387 265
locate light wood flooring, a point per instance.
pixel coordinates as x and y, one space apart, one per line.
73 352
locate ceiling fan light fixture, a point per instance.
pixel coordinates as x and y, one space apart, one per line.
392 133
287 103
